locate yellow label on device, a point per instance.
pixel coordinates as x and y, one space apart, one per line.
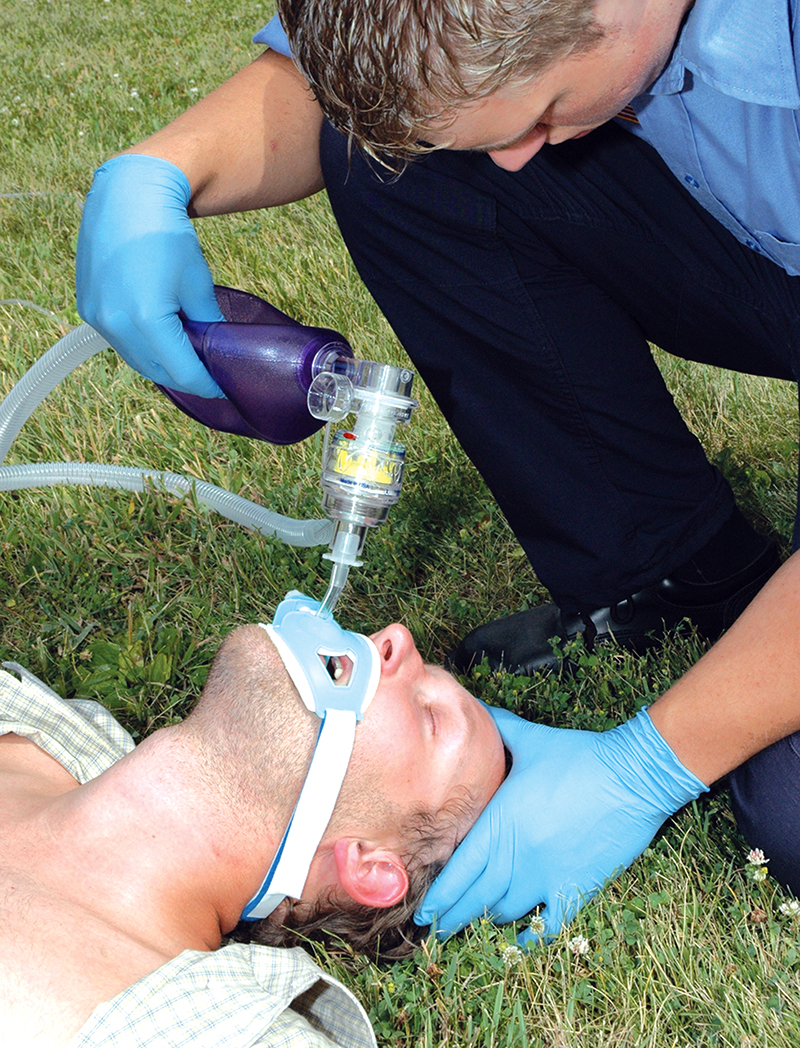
365 467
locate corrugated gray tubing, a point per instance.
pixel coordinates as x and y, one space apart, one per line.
72 350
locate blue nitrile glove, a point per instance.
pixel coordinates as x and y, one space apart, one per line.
576 808
139 262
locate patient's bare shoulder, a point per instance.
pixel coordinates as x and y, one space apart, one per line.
57 963
21 757
58 960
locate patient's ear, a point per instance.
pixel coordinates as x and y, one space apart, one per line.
372 876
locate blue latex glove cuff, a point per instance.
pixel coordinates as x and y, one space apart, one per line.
576 809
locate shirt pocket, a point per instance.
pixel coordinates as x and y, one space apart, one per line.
784 252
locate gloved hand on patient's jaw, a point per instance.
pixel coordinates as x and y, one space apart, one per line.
576 808
138 263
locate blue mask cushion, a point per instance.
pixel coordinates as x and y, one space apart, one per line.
311 647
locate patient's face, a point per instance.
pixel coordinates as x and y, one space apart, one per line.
425 741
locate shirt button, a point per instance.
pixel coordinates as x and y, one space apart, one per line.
690 180
752 245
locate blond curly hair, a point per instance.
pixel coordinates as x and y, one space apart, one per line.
387 71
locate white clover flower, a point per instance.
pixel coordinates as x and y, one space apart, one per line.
579 945
756 857
134 93
790 908
15 122
193 90
759 874
537 925
512 955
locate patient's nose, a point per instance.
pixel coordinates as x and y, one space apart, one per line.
396 648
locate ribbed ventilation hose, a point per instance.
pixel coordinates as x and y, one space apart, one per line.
74 349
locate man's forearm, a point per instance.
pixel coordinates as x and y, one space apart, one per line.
253 142
744 694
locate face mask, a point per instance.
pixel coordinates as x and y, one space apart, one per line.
337 674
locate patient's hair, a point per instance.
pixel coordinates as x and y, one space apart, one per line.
387 933
248 724
387 71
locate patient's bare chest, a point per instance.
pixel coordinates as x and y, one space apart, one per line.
57 963
58 960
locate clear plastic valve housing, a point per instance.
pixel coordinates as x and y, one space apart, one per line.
364 471
330 396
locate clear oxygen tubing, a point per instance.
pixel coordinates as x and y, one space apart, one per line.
74 349
339 573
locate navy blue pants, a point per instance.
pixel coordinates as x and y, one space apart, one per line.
527 301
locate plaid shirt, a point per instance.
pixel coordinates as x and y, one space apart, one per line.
241 996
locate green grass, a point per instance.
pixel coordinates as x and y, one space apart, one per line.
125 597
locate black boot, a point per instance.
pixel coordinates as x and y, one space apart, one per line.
710 591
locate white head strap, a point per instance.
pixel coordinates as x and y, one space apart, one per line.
313 648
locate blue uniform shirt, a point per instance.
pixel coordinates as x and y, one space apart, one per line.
273 36
723 115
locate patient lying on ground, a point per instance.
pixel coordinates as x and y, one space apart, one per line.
115 860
